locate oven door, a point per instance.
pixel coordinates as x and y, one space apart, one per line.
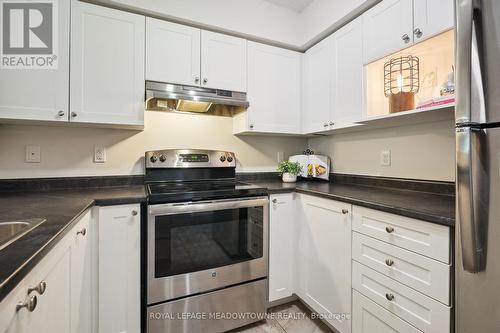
200 246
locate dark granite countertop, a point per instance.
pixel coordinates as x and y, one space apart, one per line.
61 208
426 206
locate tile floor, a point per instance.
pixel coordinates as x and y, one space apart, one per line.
288 318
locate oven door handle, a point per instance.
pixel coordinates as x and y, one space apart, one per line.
203 206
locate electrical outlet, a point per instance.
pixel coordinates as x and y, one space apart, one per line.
33 154
99 154
281 156
385 158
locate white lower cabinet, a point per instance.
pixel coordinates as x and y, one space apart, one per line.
368 317
282 236
119 269
63 304
324 259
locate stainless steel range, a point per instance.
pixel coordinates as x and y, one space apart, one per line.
207 243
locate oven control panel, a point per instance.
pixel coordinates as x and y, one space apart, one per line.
189 158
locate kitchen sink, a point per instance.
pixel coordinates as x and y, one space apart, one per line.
10 231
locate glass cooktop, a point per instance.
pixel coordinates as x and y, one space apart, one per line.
165 192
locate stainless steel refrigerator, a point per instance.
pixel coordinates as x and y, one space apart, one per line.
477 264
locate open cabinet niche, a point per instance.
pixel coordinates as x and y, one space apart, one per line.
436 61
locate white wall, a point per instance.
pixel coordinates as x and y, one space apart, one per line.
423 151
68 151
252 18
322 14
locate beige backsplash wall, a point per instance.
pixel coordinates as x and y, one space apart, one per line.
68 151
423 151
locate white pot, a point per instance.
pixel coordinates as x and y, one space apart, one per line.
289 178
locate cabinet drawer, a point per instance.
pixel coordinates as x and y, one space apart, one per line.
419 310
428 239
369 317
421 273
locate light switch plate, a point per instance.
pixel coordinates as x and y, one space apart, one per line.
99 154
385 158
33 154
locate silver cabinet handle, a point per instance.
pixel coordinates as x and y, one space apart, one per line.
30 304
275 201
389 262
205 81
325 125
39 288
332 123
390 297
73 114
406 38
134 213
61 113
345 211
82 232
251 126
418 33
389 230
197 79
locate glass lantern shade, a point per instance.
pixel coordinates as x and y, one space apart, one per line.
401 83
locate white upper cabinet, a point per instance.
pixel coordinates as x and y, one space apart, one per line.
172 52
107 65
39 94
223 62
347 96
432 17
395 24
273 90
333 81
317 86
388 27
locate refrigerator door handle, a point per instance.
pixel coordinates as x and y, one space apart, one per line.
470 96
470 189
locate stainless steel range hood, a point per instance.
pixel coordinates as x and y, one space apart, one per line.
179 98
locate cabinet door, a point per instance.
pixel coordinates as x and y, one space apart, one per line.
81 276
317 86
119 269
273 89
327 269
172 52
281 240
52 312
107 65
348 79
386 27
369 317
432 17
39 94
223 62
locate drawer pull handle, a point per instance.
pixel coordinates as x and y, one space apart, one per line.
275 201
390 297
389 262
345 211
389 230
30 304
134 213
39 288
82 232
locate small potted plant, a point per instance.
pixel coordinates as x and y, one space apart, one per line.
289 171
